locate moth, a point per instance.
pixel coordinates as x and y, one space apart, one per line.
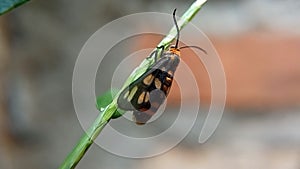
145 95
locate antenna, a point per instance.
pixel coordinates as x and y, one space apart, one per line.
177 39
175 22
197 47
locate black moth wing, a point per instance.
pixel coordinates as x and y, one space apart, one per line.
136 97
129 97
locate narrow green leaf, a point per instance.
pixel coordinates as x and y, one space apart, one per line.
7 5
104 100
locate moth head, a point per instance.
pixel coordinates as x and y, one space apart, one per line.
173 49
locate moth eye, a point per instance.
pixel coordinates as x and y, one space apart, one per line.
141 98
148 80
132 92
157 83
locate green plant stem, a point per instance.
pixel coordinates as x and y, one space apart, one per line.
85 142
88 138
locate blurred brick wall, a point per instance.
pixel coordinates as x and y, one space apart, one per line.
262 69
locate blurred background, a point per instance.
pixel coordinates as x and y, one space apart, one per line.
258 42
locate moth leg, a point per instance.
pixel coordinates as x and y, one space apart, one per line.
161 47
161 53
154 52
